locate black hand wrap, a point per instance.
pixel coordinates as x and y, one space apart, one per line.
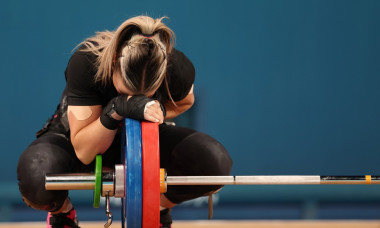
133 108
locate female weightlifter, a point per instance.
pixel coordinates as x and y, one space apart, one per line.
132 72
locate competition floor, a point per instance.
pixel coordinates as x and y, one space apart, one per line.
225 224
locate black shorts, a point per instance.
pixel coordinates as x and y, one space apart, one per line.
183 152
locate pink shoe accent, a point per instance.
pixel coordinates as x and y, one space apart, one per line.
47 220
72 215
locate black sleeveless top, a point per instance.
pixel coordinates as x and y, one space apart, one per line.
82 90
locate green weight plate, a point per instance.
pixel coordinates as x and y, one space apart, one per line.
98 180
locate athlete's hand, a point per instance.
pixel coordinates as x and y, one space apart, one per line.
137 107
153 112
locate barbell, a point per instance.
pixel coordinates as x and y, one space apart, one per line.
139 180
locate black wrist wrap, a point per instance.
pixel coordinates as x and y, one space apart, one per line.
106 118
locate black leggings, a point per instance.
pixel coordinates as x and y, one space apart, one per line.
183 152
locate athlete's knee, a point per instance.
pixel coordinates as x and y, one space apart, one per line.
36 161
201 154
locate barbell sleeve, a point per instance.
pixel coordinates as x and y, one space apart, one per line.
71 181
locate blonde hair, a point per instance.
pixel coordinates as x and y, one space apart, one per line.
138 49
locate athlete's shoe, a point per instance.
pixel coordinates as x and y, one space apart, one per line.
63 220
165 219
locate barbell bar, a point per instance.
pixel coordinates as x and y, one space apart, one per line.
86 181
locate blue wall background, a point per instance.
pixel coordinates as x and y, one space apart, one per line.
289 87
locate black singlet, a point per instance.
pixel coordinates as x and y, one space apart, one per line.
82 90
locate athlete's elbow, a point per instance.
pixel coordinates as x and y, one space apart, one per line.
82 152
190 102
83 157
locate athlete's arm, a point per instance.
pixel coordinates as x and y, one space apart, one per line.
88 136
181 106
